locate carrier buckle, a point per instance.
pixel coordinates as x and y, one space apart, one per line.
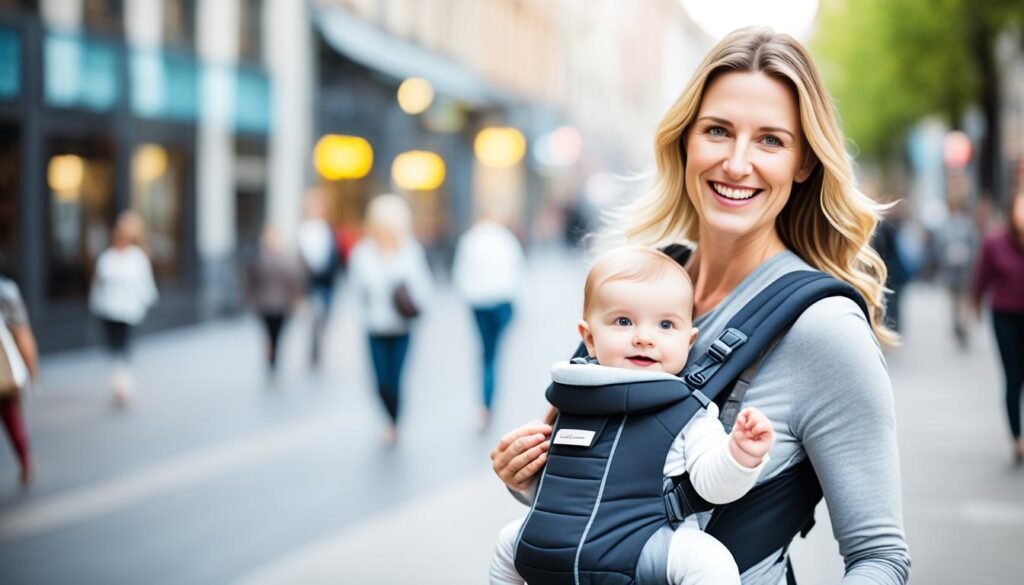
723 347
673 508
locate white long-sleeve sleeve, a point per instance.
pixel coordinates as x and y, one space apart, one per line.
702 449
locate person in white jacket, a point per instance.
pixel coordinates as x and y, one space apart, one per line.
123 291
388 274
488 272
638 315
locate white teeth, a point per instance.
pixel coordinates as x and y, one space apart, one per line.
731 193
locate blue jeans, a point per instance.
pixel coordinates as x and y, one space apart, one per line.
1009 330
491 321
388 354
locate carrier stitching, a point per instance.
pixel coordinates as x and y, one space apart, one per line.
597 504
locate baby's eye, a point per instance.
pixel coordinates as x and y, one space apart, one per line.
623 322
666 325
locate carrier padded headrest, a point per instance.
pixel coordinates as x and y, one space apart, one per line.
594 390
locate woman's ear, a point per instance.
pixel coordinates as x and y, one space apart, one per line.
587 336
807 167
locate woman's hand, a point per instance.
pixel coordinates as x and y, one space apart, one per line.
520 454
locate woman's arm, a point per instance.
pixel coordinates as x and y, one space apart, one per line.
844 416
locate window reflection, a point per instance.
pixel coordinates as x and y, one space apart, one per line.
157 195
80 183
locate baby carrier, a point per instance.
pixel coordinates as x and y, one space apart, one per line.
604 514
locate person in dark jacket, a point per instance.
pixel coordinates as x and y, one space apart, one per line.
274 287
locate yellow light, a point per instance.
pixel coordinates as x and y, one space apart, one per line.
415 95
149 163
339 157
499 147
64 174
418 169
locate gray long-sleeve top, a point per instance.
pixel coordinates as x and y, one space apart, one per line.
827 392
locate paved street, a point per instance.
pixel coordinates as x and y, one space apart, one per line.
215 475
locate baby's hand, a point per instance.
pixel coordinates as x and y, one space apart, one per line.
751 437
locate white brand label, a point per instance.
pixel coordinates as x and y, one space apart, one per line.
576 437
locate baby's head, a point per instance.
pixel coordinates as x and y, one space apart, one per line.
638 311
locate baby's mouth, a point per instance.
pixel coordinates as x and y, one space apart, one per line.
641 360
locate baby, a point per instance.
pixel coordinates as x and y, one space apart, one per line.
637 315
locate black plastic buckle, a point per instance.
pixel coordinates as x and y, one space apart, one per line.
728 341
673 509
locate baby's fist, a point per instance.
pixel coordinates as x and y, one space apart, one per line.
752 436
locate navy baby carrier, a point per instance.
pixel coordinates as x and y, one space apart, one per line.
604 513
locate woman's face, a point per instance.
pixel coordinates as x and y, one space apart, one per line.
744 150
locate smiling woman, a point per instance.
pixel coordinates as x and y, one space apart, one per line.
751 166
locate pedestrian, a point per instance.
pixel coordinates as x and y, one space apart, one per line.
488 271
18 365
1000 278
274 287
637 313
956 243
123 290
888 244
752 166
319 252
391 281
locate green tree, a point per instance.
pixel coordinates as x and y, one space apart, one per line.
891 62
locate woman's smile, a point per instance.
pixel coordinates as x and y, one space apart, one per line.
733 195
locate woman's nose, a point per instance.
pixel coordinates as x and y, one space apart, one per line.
738 163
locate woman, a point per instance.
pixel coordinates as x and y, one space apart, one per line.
1000 275
751 166
387 264
21 363
123 290
274 288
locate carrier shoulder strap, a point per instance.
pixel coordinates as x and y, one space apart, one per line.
775 510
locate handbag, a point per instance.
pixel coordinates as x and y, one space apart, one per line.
403 302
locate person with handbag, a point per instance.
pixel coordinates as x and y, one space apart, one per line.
18 364
389 275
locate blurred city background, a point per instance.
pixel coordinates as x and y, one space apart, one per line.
214 120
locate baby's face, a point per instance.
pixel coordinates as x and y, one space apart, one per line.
641 325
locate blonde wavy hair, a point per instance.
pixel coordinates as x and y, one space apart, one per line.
828 222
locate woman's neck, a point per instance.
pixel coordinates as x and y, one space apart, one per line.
723 262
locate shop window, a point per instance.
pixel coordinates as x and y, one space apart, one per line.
80 187
158 182
103 15
10 186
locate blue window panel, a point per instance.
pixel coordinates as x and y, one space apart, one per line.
79 72
164 85
252 101
10 63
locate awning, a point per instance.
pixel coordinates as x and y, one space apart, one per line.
376 49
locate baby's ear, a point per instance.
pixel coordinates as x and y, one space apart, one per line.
587 336
693 336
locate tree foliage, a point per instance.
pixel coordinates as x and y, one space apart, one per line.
888 63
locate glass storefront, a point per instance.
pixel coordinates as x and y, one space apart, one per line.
80 189
158 183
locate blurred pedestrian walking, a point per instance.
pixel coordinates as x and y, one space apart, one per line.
389 275
123 291
1000 277
488 272
956 244
18 364
887 243
319 252
274 287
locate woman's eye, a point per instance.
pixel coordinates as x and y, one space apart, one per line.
772 140
666 325
716 131
623 322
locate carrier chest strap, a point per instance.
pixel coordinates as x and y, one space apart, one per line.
731 409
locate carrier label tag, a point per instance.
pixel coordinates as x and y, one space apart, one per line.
578 437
